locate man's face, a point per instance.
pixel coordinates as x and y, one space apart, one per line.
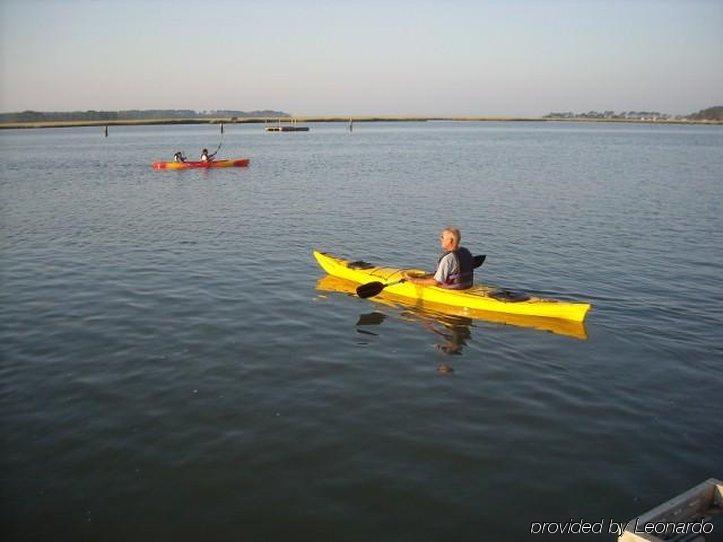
446 240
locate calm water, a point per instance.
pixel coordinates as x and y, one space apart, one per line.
169 369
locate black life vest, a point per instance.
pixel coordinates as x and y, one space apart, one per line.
462 276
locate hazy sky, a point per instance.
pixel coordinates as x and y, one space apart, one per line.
362 57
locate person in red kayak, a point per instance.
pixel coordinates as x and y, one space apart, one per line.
455 268
205 157
178 157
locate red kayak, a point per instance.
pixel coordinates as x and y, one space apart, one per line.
235 162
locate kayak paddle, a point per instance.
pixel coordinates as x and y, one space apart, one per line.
371 289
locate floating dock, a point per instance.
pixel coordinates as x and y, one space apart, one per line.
693 516
287 128
288 125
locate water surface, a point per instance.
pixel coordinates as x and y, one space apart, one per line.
170 369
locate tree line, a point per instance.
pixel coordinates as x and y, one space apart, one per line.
132 114
711 113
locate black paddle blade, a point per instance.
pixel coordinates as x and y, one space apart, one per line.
370 289
478 260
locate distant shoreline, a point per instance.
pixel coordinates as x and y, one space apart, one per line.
258 120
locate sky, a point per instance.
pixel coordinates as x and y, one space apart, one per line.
346 57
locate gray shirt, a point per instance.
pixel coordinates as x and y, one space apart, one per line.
447 266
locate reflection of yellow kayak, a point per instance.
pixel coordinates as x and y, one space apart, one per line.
447 314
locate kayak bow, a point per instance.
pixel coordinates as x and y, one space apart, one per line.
479 297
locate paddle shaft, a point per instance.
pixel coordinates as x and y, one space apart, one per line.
219 144
371 289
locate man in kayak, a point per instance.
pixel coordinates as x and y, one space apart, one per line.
205 157
178 157
455 268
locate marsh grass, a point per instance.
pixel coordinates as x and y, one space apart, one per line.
337 118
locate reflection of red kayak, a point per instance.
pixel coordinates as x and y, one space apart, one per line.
234 162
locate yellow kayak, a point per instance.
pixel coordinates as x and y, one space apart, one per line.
477 298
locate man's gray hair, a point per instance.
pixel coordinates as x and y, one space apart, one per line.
455 233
